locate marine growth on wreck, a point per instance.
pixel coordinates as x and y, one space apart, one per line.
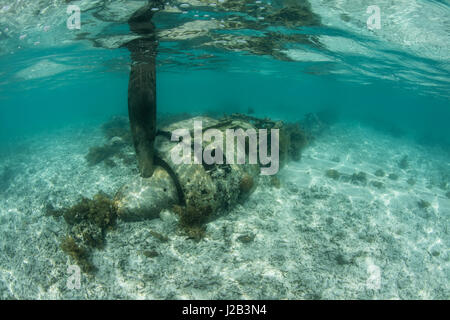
224 150
196 192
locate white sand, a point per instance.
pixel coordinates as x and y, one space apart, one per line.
314 237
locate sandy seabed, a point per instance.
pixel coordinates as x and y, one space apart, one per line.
314 237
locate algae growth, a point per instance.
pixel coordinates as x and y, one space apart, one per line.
88 221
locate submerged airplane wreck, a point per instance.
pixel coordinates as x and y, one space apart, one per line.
196 190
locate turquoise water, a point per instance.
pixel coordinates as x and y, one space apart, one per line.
368 76
80 95
387 88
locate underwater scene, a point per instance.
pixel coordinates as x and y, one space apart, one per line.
225 149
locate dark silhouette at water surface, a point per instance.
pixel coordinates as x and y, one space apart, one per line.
142 86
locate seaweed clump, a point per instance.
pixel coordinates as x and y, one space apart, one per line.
293 137
275 182
380 173
102 153
193 217
263 45
117 127
393 176
191 222
79 254
359 178
403 163
293 140
88 220
332 174
298 141
246 184
246 238
150 253
118 133
158 236
49 210
314 124
110 163
377 184
6 177
99 211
